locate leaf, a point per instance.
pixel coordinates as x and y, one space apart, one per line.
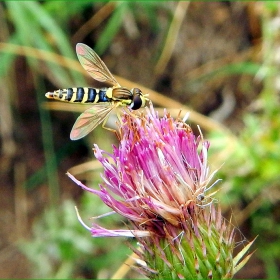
241 264
240 255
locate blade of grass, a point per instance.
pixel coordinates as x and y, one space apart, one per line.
24 22
241 68
112 27
172 36
31 16
57 9
20 17
104 12
48 145
47 22
7 58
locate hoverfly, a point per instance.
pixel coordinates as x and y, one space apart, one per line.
104 99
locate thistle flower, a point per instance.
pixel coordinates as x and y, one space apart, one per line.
158 178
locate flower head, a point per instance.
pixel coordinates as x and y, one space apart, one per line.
159 179
158 173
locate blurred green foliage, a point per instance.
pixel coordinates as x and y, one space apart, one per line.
252 170
61 247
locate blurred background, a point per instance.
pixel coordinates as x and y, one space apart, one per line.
218 60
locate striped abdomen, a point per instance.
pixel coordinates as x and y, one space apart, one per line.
80 95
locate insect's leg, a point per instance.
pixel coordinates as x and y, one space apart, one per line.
133 113
107 128
106 119
119 116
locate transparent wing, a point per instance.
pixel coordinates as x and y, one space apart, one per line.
90 119
93 64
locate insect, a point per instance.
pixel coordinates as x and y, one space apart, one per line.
104 99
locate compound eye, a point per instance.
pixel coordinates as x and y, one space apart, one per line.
136 102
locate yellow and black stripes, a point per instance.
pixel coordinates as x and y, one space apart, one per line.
133 98
80 95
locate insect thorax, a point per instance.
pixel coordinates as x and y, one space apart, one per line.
121 94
